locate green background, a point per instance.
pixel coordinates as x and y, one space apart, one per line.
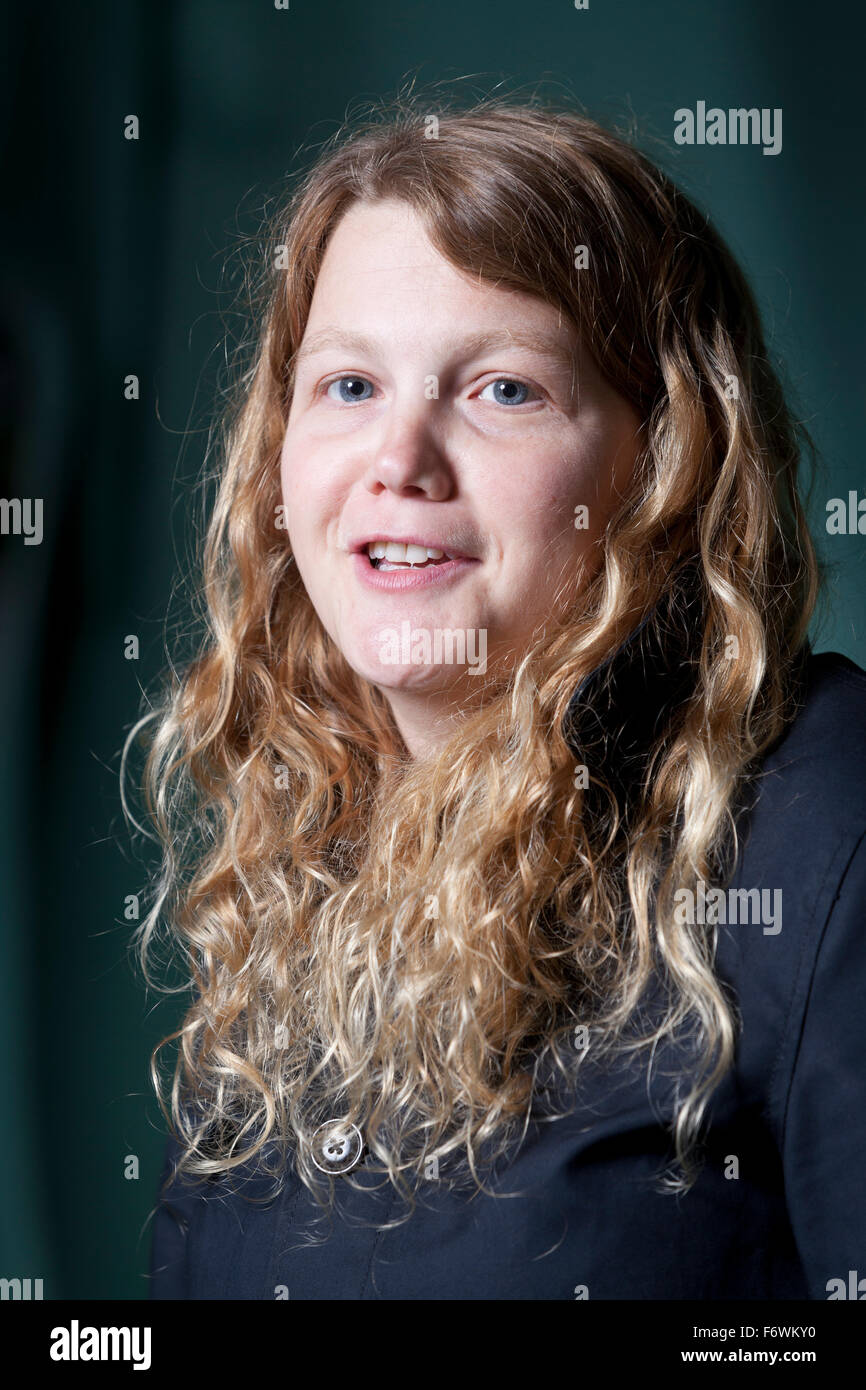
119 260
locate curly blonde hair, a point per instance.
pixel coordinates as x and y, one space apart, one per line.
302 846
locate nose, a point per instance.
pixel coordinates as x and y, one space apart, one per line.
408 459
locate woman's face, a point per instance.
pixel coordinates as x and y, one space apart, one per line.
434 408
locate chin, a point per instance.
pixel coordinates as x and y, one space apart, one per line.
404 655
429 679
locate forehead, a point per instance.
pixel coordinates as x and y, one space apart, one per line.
380 269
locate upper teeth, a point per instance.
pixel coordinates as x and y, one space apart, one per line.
396 551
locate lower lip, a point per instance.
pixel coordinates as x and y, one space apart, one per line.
403 580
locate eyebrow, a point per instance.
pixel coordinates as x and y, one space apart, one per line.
471 346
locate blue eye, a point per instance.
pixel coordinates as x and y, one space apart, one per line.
507 392
351 389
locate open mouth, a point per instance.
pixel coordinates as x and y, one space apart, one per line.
394 555
402 567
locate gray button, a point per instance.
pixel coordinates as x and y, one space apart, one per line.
337 1147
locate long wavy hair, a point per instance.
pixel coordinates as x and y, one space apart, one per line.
302 847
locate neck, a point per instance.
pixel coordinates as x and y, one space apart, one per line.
426 720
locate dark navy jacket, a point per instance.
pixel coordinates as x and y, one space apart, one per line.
779 1209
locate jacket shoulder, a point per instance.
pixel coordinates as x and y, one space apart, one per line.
810 789
822 753
799 984
800 856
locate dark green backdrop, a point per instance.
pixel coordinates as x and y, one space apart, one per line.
113 267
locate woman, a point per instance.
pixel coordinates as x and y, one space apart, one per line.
514 838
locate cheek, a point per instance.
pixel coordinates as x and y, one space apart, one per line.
294 465
554 512
539 510
308 492
291 486
600 464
